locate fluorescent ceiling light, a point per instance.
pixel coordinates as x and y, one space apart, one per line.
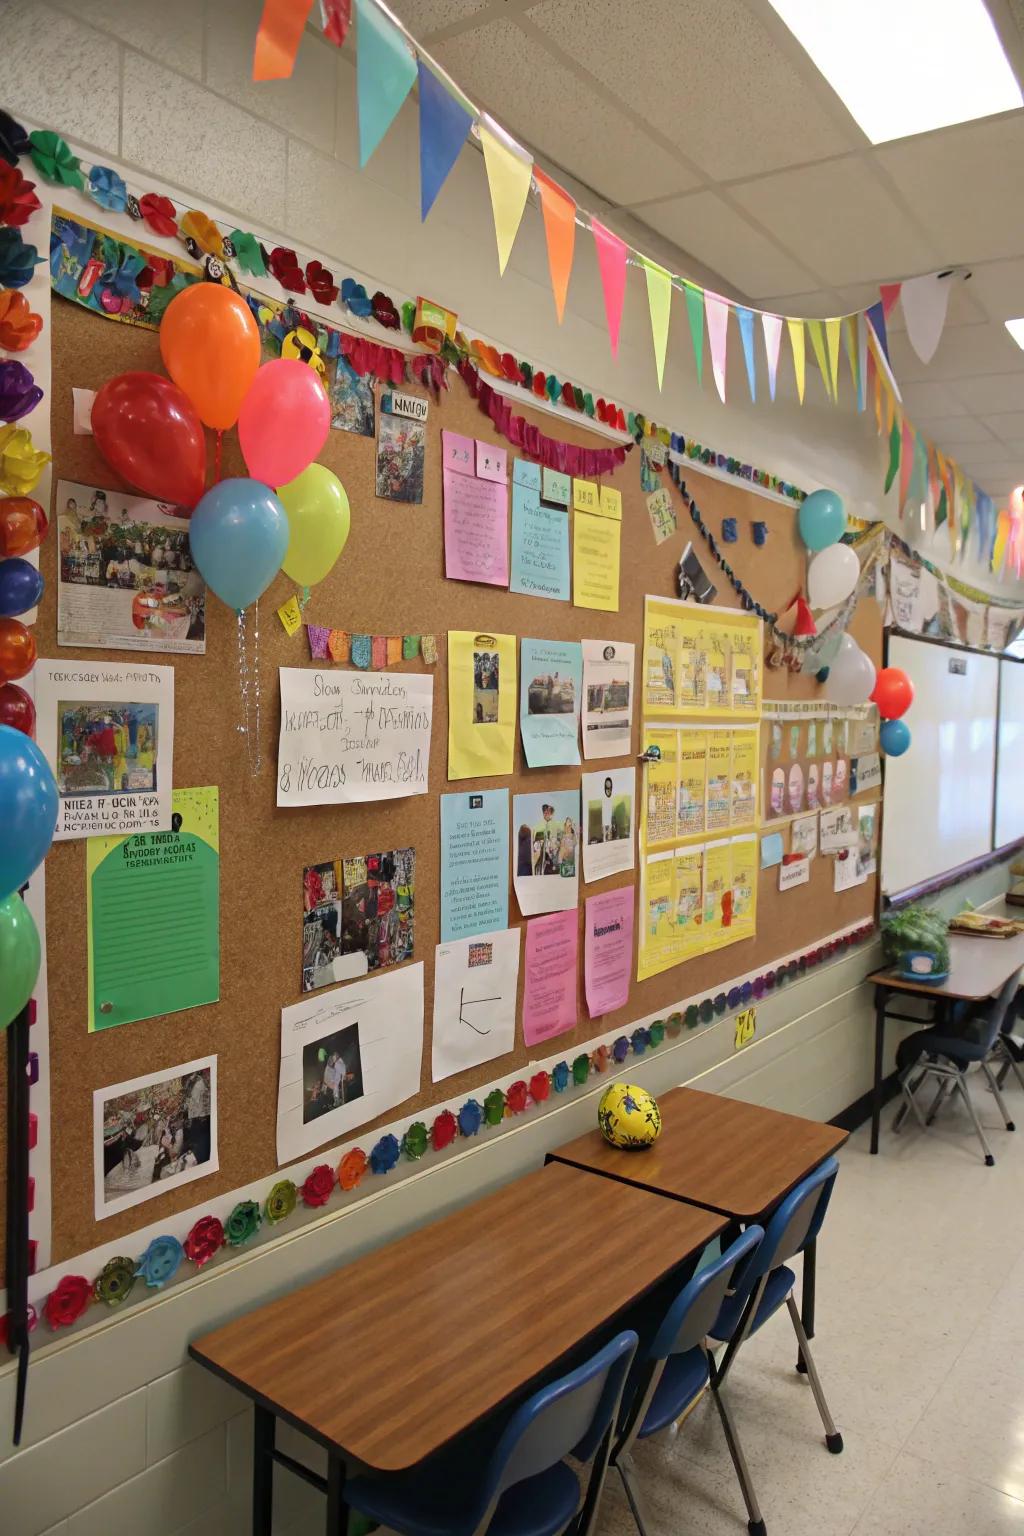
1016 330
906 66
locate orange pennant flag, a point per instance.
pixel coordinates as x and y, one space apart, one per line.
278 38
559 212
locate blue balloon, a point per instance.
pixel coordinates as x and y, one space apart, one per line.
21 587
822 519
895 737
239 536
28 808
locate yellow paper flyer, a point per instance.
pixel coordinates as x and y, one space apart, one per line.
661 655
717 894
745 672
718 648
719 792
482 701
743 809
656 950
744 887
693 750
595 557
660 788
701 660
689 894
692 693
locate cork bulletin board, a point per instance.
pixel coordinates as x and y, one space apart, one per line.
390 579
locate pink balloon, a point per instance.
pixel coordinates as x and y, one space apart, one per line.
284 421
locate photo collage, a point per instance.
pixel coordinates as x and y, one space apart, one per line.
358 916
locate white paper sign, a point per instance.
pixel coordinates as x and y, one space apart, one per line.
607 698
349 736
347 1056
838 829
847 872
607 822
794 872
107 731
475 984
803 836
869 771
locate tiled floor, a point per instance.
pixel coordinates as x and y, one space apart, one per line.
920 1346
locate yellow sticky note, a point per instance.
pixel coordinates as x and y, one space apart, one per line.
482 700
595 555
584 496
610 504
290 615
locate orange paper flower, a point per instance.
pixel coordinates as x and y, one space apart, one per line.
204 232
352 1168
19 327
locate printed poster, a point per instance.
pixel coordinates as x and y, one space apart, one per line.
351 397
348 1056
744 775
353 736
595 555
125 577
700 660
107 731
152 1134
540 544
153 916
607 698
744 887
474 863
481 704
549 998
608 950
546 828
608 822
475 983
401 455
719 784
661 782
660 945
691 817
358 916
551 681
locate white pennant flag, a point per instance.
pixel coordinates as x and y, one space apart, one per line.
925 300
772 325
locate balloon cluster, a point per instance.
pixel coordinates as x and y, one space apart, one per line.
28 815
894 694
150 430
832 576
23 526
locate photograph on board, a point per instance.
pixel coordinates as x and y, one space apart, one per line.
358 916
352 406
401 452
107 748
607 698
485 686
608 822
332 1073
154 1133
546 831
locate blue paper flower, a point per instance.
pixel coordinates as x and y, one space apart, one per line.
620 1050
733 997
640 1040
18 260
720 1002
470 1118
13 139
355 298
560 1077
160 1261
107 189
120 274
385 1155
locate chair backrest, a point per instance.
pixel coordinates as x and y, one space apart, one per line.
796 1222
688 1320
572 1414
999 1013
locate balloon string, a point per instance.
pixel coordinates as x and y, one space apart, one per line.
217 456
249 690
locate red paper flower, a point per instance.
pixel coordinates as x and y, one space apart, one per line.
66 1304
510 368
159 213
205 1239
540 384
444 1130
284 264
18 201
321 283
318 1185
162 270
385 313
351 1169
568 398
515 1098
540 1087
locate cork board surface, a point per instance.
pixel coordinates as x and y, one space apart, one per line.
390 580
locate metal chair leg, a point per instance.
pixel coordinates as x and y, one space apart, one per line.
625 1468
909 1090
961 1088
1000 1101
833 1439
1010 1064
755 1520
936 1104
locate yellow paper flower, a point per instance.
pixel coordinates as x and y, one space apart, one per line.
301 343
203 231
20 464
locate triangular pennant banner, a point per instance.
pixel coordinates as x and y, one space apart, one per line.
863 364
941 509
908 456
659 302
832 330
1002 539
278 37
925 301
817 333
772 327
746 322
611 258
385 71
895 446
444 124
876 315
509 173
890 293
695 315
797 342
850 344
336 16
559 212
718 337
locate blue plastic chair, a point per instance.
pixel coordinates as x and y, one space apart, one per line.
676 1369
766 1281
523 1486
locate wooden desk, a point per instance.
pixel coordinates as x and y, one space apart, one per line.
388 1359
978 968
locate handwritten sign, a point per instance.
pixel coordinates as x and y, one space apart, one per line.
610 504
540 547
475 529
491 462
662 515
655 450
584 496
557 487
349 736
290 615
457 453
413 406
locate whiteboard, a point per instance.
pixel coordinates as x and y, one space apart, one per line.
1010 759
939 795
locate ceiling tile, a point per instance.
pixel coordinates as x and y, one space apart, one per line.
993 395
548 106
1007 425
844 223
962 430
931 399
423 17
999 287
965 350
705 73
817 304
704 224
960 183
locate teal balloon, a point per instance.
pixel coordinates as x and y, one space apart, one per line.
238 534
895 737
19 957
28 808
822 519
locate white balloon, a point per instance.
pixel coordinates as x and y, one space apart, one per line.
851 677
832 576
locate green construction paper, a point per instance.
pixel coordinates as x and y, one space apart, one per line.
695 315
942 509
153 916
895 447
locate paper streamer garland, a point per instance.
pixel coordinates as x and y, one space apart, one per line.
368 651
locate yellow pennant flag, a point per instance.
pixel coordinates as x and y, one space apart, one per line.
850 340
796 337
817 331
832 333
659 301
509 173
1002 539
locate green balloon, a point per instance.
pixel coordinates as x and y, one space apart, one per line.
19 957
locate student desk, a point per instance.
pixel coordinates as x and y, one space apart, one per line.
978 968
733 1158
386 1360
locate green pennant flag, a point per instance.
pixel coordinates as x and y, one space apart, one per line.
659 301
695 314
941 509
818 343
895 444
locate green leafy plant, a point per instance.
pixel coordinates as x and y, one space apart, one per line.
914 927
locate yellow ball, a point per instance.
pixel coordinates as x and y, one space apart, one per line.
628 1116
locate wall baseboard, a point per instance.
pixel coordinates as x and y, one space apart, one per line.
856 1114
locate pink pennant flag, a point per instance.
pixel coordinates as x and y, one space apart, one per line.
717 311
890 292
611 258
772 326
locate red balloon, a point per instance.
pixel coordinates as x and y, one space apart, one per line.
17 650
148 430
17 709
23 526
893 693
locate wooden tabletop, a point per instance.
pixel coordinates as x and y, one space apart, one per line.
978 967
734 1158
408 1346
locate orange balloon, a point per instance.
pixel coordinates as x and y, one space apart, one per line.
17 650
23 526
210 344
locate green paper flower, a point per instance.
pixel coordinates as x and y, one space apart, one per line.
581 1068
414 1142
494 1107
53 159
244 1222
280 1201
248 253
114 1282
657 1031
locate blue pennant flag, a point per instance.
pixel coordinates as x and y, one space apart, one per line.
746 320
385 71
444 124
876 314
